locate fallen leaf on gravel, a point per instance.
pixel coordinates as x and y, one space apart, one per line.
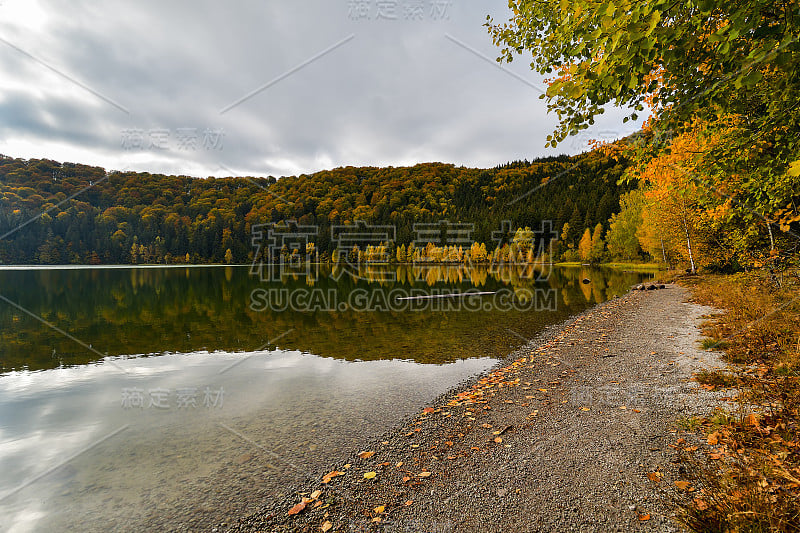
326 526
715 456
655 476
406 478
424 474
486 426
330 475
585 409
348 465
297 508
713 438
377 519
622 407
644 517
317 504
366 455
380 509
316 494
398 465
369 475
427 410
700 504
498 440
683 485
408 502
542 390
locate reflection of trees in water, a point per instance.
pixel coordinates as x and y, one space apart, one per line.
155 310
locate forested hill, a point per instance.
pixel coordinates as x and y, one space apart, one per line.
53 212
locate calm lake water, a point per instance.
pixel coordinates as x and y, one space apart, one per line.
178 398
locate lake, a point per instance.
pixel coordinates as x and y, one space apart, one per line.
182 397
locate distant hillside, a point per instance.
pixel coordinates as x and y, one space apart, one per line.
94 216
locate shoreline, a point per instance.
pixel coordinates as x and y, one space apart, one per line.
590 403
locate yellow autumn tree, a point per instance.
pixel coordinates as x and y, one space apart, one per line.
585 246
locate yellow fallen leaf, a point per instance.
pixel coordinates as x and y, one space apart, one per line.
498 440
683 485
408 502
399 464
542 390
585 409
315 494
326 526
370 475
377 519
424 474
366 455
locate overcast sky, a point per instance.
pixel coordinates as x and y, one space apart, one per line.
267 87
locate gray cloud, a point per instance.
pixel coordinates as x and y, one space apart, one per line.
399 92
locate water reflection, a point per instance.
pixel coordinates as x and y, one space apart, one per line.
131 311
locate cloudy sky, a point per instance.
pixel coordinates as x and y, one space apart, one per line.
267 87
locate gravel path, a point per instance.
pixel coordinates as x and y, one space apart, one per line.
560 437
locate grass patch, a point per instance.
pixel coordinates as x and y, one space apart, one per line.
713 344
691 423
716 379
747 475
